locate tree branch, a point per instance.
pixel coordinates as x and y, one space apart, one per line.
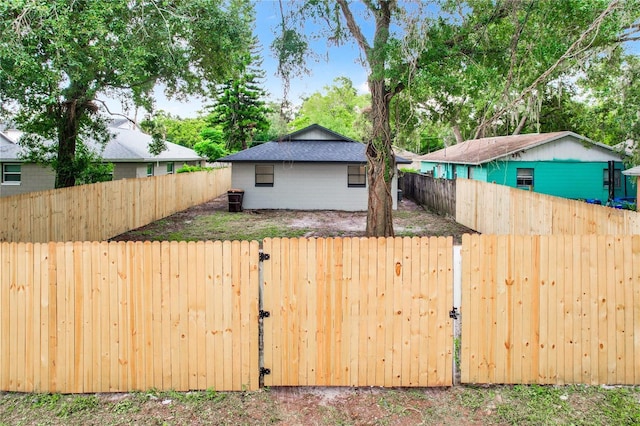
595 25
353 26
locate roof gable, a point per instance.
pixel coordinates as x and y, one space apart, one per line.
480 151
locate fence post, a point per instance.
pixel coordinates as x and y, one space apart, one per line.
456 312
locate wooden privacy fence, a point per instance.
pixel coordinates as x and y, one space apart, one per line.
498 209
101 211
358 312
438 195
551 309
114 317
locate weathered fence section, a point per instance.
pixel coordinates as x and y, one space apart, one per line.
498 209
554 309
358 312
438 195
115 317
100 211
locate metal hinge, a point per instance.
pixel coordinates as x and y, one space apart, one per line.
264 256
453 313
264 371
264 314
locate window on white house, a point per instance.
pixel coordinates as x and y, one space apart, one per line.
617 178
356 176
11 174
524 178
170 168
264 175
150 169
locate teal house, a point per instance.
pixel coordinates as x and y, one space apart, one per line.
563 164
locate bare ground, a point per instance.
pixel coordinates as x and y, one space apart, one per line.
212 221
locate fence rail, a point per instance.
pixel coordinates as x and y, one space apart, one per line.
498 209
554 309
100 211
115 317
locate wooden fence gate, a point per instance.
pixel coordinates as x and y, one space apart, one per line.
358 311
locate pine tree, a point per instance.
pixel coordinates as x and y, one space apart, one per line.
240 108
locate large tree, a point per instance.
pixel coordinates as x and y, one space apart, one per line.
451 54
59 59
240 107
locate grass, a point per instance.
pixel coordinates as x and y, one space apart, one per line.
482 405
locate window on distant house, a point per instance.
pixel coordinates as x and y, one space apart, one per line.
11 174
470 173
264 175
617 178
524 178
356 176
170 168
150 169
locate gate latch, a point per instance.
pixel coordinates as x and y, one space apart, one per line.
453 313
264 314
264 371
264 256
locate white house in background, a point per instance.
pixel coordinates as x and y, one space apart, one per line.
127 150
311 169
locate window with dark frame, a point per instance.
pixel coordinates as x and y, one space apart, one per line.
356 176
149 169
524 178
170 168
617 178
11 174
264 175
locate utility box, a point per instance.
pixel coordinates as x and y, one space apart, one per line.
235 200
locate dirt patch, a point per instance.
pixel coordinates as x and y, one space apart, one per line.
212 221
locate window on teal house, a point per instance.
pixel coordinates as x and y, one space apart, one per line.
524 178
617 178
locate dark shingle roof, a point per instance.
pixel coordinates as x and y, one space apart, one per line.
337 149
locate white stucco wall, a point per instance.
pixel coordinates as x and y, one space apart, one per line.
302 186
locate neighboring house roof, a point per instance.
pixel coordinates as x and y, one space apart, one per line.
634 171
133 146
480 151
126 146
326 147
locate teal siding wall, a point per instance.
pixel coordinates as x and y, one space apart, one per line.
569 179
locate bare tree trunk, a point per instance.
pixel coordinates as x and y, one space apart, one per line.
458 134
521 124
67 138
381 163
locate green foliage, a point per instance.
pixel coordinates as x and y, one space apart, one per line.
210 150
190 169
338 108
58 58
240 109
181 131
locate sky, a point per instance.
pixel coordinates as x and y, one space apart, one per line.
335 62
341 62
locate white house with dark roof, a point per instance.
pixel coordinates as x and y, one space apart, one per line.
311 169
563 164
128 150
